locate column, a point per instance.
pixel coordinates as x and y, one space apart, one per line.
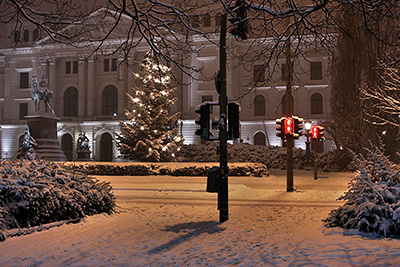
90 88
82 88
53 86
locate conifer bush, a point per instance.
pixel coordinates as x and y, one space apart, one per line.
373 198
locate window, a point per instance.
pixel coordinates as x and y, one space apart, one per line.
113 62
110 100
316 70
71 67
106 65
23 110
208 98
258 73
68 67
259 139
26 36
17 36
75 66
259 106
195 21
283 72
207 20
71 102
316 103
24 80
218 19
35 34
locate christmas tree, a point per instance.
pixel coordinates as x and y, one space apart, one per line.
152 133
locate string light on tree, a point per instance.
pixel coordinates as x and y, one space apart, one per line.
152 132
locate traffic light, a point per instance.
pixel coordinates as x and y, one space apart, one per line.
321 133
280 124
238 20
213 177
314 132
203 120
233 120
298 127
289 126
317 133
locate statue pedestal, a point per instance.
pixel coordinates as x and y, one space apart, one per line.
83 155
43 128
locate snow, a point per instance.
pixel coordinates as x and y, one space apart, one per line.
267 227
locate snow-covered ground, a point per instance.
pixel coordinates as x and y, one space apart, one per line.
267 227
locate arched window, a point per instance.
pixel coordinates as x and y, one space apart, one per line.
259 139
17 36
26 36
316 103
110 100
35 36
71 102
283 104
259 106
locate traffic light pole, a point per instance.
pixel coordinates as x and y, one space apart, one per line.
315 160
289 113
223 185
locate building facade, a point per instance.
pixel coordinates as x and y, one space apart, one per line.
90 92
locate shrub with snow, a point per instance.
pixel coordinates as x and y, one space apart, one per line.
38 192
271 156
373 198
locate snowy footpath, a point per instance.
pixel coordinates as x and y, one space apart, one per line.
267 227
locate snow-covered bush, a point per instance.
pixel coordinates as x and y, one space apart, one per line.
38 192
271 156
336 161
176 169
373 198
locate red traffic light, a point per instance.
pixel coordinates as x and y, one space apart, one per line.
289 126
315 132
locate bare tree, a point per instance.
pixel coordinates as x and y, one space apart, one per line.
167 27
384 99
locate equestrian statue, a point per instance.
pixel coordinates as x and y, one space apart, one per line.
41 92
